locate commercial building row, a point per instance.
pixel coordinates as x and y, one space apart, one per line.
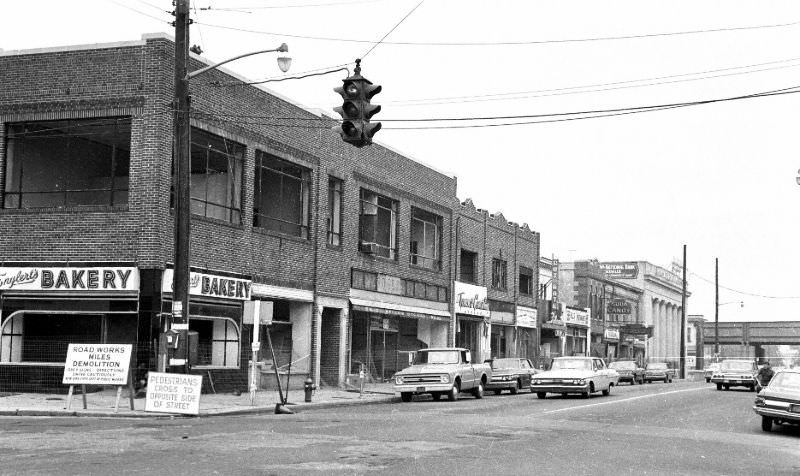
360 256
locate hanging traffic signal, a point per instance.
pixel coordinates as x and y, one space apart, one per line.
356 110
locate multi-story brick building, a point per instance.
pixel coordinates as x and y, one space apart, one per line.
352 247
497 282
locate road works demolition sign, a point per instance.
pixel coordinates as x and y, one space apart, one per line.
97 364
173 393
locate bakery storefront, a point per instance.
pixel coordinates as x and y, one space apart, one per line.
216 338
473 318
45 307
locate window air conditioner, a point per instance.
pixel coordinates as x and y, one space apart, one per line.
369 248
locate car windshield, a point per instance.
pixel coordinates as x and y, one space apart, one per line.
786 381
436 357
505 364
572 364
623 365
656 366
736 365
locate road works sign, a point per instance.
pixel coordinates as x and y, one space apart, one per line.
173 393
97 364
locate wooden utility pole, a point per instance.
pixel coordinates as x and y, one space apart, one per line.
716 309
683 319
180 284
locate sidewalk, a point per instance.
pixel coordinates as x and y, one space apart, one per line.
101 404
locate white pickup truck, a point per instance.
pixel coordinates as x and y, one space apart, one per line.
442 371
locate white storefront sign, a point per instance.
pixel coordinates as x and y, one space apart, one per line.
611 334
577 317
470 299
97 364
211 285
527 317
79 278
173 393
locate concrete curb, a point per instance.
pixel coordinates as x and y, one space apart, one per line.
256 410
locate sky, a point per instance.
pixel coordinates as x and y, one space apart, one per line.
719 177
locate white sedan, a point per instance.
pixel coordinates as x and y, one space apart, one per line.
583 375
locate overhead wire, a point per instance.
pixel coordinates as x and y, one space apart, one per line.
744 293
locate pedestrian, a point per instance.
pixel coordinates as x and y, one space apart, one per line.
765 374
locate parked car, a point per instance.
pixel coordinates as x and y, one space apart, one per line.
583 375
709 371
779 402
442 371
629 371
733 373
511 374
658 371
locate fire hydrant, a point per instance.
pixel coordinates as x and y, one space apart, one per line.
308 386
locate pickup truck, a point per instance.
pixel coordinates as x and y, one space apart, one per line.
442 371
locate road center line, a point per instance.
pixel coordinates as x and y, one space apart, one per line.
620 401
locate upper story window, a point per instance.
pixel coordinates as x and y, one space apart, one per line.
525 280
426 239
468 260
216 185
281 196
335 189
378 225
499 268
69 163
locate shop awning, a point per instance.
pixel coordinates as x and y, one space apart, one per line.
394 309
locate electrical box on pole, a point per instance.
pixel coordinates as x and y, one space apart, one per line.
356 110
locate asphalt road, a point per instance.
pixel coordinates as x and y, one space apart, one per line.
679 428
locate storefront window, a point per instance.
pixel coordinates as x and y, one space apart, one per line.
281 196
218 341
378 225
335 191
216 184
426 230
499 268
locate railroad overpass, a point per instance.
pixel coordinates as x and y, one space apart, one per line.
747 335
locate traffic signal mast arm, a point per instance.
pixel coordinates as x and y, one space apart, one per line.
356 110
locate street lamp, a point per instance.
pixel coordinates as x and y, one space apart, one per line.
180 283
716 324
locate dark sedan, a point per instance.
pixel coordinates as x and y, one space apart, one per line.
510 374
779 402
629 371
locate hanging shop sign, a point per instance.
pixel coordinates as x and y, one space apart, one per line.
69 278
618 306
471 300
611 334
621 270
97 364
577 317
211 285
526 317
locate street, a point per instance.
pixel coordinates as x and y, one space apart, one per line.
678 428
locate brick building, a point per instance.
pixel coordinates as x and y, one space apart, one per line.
352 247
498 269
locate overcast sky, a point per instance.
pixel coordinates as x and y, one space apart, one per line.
717 177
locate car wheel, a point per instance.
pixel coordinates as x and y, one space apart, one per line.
766 423
406 396
708 380
669 380
497 391
478 391
436 396
633 381
719 386
589 391
541 394
452 395
727 387
515 389
752 388
607 391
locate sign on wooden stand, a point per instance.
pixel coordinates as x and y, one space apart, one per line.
98 364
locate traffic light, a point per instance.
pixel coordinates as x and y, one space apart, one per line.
356 110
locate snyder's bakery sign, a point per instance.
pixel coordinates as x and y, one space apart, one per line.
79 278
211 285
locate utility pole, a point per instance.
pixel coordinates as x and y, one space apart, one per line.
180 284
683 319
716 309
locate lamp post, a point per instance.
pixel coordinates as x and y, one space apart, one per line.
182 179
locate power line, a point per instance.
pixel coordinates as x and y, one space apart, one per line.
745 293
586 88
270 7
393 28
510 43
139 11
